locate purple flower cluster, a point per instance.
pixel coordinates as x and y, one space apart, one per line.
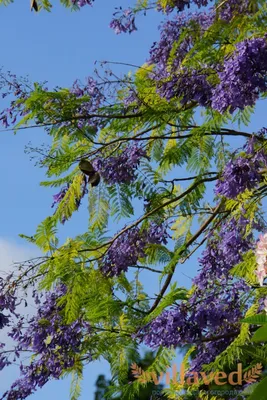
239 175
242 173
130 246
171 79
55 344
122 168
60 195
180 5
223 253
242 75
95 100
11 85
157 234
82 3
187 86
231 8
131 97
243 78
171 328
215 307
124 21
165 54
8 303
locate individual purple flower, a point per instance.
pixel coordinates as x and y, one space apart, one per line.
60 195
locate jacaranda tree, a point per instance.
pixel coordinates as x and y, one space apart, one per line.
147 149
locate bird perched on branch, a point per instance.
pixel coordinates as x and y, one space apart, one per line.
34 5
87 168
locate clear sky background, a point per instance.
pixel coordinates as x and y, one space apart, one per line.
59 47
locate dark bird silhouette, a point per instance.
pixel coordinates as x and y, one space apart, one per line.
34 5
87 168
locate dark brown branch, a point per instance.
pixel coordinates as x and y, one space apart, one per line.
167 136
145 267
141 219
190 178
226 335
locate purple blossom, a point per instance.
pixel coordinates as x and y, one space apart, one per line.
216 305
131 98
124 21
16 87
54 342
95 99
187 86
180 5
122 168
242 172
170 32
239 175
82 3
171 328
130 246
230 8
8 303
172 80
243 77
59 196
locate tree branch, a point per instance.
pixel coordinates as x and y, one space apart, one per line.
190 241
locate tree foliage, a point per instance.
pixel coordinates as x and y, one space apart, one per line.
157 168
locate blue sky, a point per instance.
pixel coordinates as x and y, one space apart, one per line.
59 47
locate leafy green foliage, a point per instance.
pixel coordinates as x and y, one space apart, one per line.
260 335
259 392
75 390
246 269
260 319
